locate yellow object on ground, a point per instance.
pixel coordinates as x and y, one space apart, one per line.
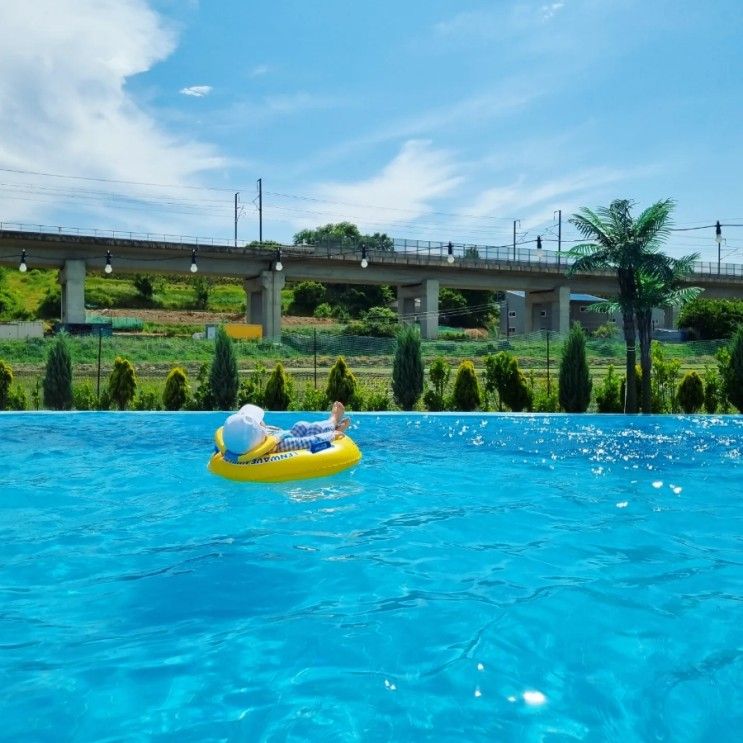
241 331
303 464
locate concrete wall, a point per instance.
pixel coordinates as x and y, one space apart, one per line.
21 330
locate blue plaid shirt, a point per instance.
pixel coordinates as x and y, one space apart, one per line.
303 435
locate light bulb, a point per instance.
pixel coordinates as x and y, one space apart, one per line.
364 263
23 267
194 268
108 268
450 258
279 266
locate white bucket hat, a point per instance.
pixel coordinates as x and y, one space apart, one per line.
253 412
241 434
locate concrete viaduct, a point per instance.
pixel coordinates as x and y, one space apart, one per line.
416 273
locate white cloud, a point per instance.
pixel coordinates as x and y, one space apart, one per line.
522 196
548 11
198 91
259 70
64 106
401 192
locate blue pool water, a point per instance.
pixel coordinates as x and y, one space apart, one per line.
476 577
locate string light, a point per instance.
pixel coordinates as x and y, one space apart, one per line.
450 256
22 267
108 268
364 261
194 267
279 266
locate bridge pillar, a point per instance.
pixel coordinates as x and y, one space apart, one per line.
263 303
430 309
670 317
428 293
561 309
72 282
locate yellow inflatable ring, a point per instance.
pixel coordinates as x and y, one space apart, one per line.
259 465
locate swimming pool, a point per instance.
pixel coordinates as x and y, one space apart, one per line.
476 577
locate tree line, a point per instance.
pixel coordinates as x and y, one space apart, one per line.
503 386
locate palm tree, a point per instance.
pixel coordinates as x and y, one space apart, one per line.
618 242
659 284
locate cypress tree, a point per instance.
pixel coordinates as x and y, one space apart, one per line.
223 378
277 394
6 379
691 393
466 395
608 397
176 389
122 383
575 382
734 370
407 370
58 376
341 383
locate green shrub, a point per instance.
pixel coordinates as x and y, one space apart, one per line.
691 393
50 307
608 399
176 391
341 383
503 376
6 379
278 393
712 389
543 400
147 400
439 373
144 286
378 322
664 375
58 376
407 368
201 288
307 296
313 399
17 398
466 394
323 310
377 399
252 388
497 374
9 304
202 398
223 378
606 331
83 396
733 370
710 319
122 383
575 381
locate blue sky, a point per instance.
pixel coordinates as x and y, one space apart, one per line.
432 120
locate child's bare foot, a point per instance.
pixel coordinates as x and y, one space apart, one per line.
343 425
336 412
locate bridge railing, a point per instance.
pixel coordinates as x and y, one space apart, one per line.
384 250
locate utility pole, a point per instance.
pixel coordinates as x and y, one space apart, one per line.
515 222
236 195
559 234
260 210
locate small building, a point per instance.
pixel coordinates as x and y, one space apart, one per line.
513 308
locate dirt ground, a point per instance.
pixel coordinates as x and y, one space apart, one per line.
195 317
